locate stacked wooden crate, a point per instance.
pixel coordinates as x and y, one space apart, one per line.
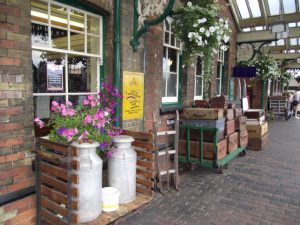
230 130
257 129
203 117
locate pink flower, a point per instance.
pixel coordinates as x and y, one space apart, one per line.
70 112
69 103
54 106
39 122
88 119
93 103
85 102
109 154
54 103
90 97
84 135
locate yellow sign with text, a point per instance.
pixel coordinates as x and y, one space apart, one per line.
133 95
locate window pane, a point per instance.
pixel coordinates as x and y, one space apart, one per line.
59 16
164 83
167 37
167 25
280 42
42 105
77 42
48 72
243 9
293 41
59 38
172 60
82 74
198 85
39 35
219 70
93 45
172 40
218 86
274 7
93 25
172 85
199 66
39 11
254 7
77 21
289 6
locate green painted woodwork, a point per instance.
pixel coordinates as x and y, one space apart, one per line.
137 33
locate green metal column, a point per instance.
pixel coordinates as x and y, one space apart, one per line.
262 98
117 57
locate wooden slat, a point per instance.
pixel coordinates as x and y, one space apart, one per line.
146 183
147 174
146 164
139 135
54 207
75 151
54 146
54 195
53 170
148 192
75 164
142 144
75 179
52 218
147 155
54 158
163 133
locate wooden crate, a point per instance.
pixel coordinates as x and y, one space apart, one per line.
232 142
220 123
243 138
56 176
258 144
217 102
208 150
240 123
229 127
203 113
194 148
195 135
228 114
201 104
238 112
254 113
257 131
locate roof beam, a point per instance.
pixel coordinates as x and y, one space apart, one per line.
233 7
285 55
282 47
260 21
264 35
292 65
262 6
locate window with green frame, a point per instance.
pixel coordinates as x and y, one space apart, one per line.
220 72
172 72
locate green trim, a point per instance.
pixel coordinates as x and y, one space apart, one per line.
230 156
137 33
117 58
102 67
86 6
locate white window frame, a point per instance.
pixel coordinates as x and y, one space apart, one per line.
198 97
99 56
179 52
220 62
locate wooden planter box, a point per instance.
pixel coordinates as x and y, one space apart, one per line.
203 113
240 123
243 138
232 142
56 194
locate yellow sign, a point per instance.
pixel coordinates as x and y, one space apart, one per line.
133 95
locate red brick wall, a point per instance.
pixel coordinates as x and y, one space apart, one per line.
16 111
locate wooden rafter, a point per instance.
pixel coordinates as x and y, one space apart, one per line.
282 48
233 7
279 56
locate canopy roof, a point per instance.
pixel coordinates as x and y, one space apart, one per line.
254 19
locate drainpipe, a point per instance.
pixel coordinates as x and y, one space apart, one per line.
262 98
117 58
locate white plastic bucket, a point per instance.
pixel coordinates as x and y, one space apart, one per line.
110 199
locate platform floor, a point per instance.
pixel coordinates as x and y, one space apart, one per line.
262 188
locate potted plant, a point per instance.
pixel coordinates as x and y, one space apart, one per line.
197 25
87 126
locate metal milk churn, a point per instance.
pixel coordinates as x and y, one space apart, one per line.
122 168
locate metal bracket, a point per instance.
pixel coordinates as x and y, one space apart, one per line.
137 33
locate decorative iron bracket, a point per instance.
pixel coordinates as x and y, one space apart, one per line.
138 32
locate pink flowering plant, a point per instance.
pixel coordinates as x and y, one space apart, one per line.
90 120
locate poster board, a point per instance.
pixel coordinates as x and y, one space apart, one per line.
133 95
54 77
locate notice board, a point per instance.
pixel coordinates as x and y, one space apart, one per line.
133 95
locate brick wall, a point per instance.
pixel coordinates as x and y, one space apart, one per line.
16 110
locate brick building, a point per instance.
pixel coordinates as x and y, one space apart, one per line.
76 39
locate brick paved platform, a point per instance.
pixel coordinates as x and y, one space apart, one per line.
261 188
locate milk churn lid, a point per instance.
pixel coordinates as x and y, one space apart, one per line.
122 139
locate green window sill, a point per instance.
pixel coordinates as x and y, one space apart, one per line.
170 107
